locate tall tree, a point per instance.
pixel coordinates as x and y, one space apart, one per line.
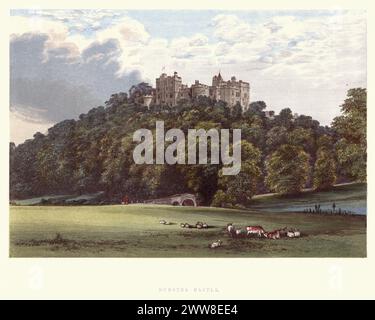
324 169
239 189
350 129
287 170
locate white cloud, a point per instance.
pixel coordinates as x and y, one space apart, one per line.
306 63
57 32
20 25
232 29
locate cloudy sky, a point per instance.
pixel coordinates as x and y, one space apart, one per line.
64 62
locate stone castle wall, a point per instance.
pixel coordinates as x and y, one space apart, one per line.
169 90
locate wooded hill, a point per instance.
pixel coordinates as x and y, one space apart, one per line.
281 154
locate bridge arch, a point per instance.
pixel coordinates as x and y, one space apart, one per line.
188 203
185 199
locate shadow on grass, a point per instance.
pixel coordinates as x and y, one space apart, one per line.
68 244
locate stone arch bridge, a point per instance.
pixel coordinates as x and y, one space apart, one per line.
184 199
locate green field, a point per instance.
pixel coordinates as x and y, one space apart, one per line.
351 197
134 231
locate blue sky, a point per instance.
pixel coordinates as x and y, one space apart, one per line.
305 60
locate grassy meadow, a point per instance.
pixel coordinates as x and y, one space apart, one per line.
134 231
350 197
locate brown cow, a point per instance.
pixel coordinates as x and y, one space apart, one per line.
255 230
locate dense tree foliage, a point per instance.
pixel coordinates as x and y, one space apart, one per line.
95 152
287 169
350 129
324 169
239 189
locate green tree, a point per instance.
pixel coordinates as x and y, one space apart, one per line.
94 153
325 141
287 170
256 107
222 199
276 137
324 169
284 118
302 137
239 189
350 129
236 111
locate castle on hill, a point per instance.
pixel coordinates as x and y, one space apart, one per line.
170 90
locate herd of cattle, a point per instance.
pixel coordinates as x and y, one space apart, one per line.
257 232
248 232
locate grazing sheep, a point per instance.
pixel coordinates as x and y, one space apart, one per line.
215 244
283 232
182 225
297 233
205 225
162 222
167 223
290 234
199 225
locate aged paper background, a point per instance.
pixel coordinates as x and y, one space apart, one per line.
197 278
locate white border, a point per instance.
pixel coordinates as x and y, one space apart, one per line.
132 278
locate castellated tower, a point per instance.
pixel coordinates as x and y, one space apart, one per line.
169 90
199 89
231 91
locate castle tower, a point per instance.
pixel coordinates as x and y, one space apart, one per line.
168 89
147 99
231 91
199 89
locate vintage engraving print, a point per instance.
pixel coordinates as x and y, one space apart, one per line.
186 133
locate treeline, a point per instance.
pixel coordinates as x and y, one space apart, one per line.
282 153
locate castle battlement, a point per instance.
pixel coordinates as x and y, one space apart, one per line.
170 89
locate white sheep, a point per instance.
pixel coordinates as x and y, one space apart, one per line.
162 222
290 234
215 244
